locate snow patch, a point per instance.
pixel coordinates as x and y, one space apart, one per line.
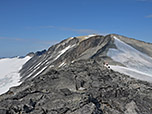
37 64
40 71
81 88
63 51
71 38
89 36
62 64
32 72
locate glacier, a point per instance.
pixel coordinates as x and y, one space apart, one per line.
9 72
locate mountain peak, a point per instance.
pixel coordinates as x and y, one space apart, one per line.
81 38
98 47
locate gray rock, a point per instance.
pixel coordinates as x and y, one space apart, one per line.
106 92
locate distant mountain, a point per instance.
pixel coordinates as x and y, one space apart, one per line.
91 74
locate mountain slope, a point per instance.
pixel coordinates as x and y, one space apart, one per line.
114 49
64 53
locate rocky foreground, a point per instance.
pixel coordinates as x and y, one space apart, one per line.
84 87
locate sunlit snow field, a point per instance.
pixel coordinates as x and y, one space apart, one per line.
138 64
9 72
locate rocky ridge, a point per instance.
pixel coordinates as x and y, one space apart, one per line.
67 51
83 87
89 47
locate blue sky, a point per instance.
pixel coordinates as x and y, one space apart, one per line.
32 25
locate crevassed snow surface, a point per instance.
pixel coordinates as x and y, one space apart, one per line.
9 72
133 59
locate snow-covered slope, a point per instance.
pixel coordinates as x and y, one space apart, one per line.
138 64
9 68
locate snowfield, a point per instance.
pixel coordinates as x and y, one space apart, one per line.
9 72
138 64
132 72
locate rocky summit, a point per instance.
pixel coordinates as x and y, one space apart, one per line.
71 77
